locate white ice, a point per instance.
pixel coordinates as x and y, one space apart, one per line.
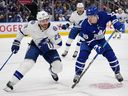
99 80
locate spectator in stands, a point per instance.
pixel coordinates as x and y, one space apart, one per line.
2 17
17 18
61 17
64 7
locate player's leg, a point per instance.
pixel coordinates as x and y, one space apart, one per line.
81 59
118 35
30 58
113 62
53 58
55 68
77 47
72 35
115 35
68 44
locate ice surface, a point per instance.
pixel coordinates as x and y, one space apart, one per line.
99 80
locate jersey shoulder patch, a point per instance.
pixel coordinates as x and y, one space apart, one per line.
32 23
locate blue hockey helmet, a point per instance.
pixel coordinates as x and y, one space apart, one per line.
92 10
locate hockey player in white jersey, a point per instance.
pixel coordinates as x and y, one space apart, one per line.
122 18
75 18
45 41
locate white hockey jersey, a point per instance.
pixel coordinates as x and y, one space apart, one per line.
122 17
75 18
37 33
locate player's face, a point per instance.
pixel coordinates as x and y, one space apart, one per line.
44 23
80 10
93 19
120 11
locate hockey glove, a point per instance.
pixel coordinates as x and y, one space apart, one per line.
65 26
46 45
118 26
120 30
15 46
99 49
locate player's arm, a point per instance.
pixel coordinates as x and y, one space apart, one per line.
72 18
16 43
115 21
70 22
21 33
82 39
57 40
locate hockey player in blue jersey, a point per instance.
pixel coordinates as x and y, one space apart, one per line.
45 41
92 37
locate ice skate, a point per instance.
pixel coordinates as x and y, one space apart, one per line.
9 87
76 78
65 53
119 77
54 75
75 54
114 36
119 36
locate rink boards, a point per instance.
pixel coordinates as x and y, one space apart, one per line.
8 30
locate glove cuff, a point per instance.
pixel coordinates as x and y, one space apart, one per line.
16 42
67 25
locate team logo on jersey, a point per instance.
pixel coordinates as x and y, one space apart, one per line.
54 28
85 36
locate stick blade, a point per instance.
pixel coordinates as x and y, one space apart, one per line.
73 85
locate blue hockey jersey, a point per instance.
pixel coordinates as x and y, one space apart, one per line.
90 32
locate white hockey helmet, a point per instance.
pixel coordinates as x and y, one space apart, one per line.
80 5
120 9
42 15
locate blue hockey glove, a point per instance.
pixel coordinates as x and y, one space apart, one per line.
99 49
46 45
120 30
118 26
65 26
15 46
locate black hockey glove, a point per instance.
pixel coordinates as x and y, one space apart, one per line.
65 26
15 46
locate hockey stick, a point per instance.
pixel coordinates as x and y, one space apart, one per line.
91 62
6 61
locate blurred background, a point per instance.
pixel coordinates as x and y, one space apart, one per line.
59 10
